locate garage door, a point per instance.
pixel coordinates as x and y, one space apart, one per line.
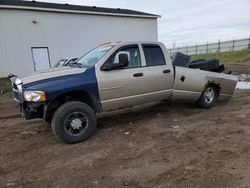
40 58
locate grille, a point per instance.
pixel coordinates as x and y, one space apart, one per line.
15 92
16 96
15 86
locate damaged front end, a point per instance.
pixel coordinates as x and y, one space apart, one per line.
29 110
16 88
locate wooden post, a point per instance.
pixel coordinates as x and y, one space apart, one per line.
249 42
196 49
219 46
207 47
233 45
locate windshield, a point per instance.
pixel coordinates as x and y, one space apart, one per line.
92 57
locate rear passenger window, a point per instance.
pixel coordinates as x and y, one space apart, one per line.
153 55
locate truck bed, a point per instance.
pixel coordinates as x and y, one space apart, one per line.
189 83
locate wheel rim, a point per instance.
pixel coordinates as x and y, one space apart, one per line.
75 123
209 95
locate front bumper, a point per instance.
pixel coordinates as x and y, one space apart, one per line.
29 110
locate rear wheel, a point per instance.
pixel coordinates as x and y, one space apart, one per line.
74 122
208 97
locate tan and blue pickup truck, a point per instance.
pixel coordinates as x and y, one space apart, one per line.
110 77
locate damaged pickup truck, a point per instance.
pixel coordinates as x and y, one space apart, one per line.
110 77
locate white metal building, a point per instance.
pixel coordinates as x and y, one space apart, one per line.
35 35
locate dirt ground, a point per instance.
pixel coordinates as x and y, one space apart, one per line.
239 68
167 144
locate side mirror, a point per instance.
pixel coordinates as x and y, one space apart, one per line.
123 62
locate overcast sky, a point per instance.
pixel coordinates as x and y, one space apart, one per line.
186 22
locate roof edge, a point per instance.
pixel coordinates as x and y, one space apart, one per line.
77 11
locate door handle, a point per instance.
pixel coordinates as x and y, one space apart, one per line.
138 74
166 71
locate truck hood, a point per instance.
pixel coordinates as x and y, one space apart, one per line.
51 73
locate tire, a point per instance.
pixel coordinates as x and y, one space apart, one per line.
74 122
209 97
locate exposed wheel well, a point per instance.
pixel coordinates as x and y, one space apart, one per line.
69 96
209 95
217 86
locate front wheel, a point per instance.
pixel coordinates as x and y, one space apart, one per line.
74 122
209 97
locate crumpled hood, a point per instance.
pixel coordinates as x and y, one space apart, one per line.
51 73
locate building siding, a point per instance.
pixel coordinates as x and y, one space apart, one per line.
65 35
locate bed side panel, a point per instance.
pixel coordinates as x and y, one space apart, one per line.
190 83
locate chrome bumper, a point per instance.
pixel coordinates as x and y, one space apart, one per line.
17 88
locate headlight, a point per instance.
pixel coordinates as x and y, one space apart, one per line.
34 96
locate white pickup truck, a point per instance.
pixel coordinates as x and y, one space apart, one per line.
113 76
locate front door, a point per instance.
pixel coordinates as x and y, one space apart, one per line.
40 58
122 87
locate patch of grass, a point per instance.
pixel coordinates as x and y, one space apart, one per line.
5 87
242 56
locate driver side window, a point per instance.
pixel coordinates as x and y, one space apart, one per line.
134 59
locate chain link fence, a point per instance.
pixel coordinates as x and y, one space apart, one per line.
233 45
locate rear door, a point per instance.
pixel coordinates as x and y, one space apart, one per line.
157 74
40 58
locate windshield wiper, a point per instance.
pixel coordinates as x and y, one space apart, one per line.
75 64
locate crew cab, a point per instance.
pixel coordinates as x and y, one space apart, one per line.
110 77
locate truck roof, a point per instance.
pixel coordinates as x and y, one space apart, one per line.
129 43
